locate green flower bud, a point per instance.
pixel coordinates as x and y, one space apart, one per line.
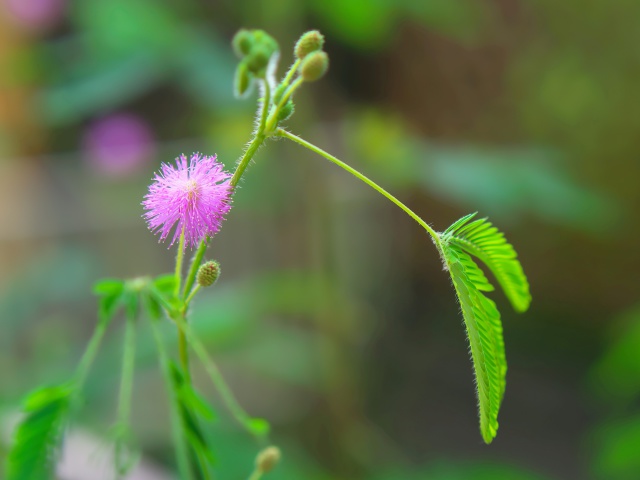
309 42
208 273
267 459
264 39
258 60
242 42
242 81
286 111
314 66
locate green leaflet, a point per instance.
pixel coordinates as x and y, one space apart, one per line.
37 438
191 406
484 241
481 317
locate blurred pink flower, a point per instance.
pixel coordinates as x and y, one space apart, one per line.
194 196
36 14
119 145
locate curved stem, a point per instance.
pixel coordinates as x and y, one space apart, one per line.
92 350
266 103
273 118
253 147
246 158
191 295
283 133
292 71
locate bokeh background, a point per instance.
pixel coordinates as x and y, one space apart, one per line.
333 317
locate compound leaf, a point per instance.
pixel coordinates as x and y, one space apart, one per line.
37 437
485 242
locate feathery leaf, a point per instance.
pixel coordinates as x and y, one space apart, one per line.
481 317
484 241
484 330
37 438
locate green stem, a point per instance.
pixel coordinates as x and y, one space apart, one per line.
183 346
266 103
195 265
179 258
360 176
273 118
126 388
128 367
238 413
292 71
256 475
92 350
182 455
253 147
191 295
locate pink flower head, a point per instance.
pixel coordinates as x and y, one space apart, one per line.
193 196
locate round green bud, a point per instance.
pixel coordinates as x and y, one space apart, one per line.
258 60
314 66
309 42
286 111
242 42
242 81
208 273
264 39
267 459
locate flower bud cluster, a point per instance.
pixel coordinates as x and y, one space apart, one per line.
255 48
314 62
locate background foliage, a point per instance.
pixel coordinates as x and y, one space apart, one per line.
332 318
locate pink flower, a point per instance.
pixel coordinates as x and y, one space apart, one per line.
119 145
193 196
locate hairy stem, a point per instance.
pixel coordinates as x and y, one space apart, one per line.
273 118
283 133
292 71
253 147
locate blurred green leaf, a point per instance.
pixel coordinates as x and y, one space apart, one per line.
363 23
508 182
616 374
617 450
259 426
118 28
108 287
461 470
38 436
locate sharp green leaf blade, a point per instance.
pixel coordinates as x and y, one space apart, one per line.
484 329
485 242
